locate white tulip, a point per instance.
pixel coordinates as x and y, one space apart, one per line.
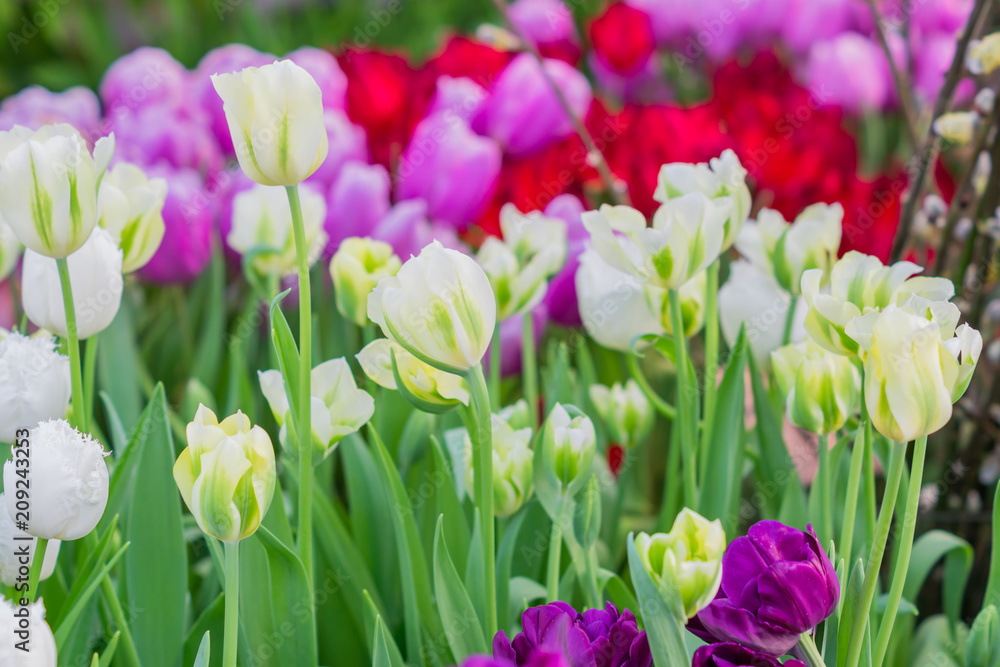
356 268
513 466
69 482
130 206
17 551
568 446
95 273
439 307
430 389
339 408
534 234
34 383
625 411
48 186
262 220
31 646
275 116
10 249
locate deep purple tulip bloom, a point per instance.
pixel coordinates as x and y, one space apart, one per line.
348 143
186 248
560 299
35 106
323 67
595 638
449 167
523 113
144 77
734 655
777 582
460 96
161 133
538 659
356 203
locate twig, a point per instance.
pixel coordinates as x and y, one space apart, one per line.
901 80
616 188
929 148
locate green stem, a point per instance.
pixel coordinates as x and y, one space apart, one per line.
905 548
232 630
529 367
496 359
35 569
664 408
897 460
555 555
483 481
89 373
993 581
825 498
73 344
786 337
305 391
808 646
688 422
868 472
711 353
846 536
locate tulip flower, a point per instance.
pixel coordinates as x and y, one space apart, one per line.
439 307
822 388
406 228
356 268
518 289
36 106
568 446
917 364
275 116
686 561
130 207
160 134
145 77
48 186
957 127
549 24
735 655
984 54
227 58
357 201
226 475
323 68
513 471
348 144
626 412
188 213
852 71
95 272
262 221
41 642
34 383
723 178
69 482
428 388
339 408
687 235
10 249
459 96
12 542
777 583
788 250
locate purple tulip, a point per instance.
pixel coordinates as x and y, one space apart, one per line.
809 21
186 248
538 659
356 203
323 67
940 16
161 133
777 582
852 71
523 113
144 77
449 167
547 23
930 62
512 337
646 85
406 228
348 143
460 96
35 106
734 655
560 299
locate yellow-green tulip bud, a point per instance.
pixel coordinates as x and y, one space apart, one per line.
568 447
426 387
356 268
822 388
226 475
688 559
131 209
626 412
513 469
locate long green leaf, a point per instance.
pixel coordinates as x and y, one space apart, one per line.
458 616
383 655
665 633
929 548
204 656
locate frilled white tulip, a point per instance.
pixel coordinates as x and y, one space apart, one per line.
28 640
723 176
95 273
10 249
356 268
822 388
130 207
958 127
859 284
339 408
625 411
34 383
788 250
752 297
513 467
69 482
226 475
17 550
428 388
568 446
262 221
48 186
686 236
440 307
917 364
275 116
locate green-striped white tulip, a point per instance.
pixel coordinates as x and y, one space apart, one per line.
10 249
568 447
131 208
625 411
822 388
356 268
513 466
428 388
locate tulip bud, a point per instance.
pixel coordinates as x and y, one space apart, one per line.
428 388
517 415
983 646
568 446
13 541
339 408
687 560
957 127
68 478
513 470
226 475
34 383
131 208
48 186
95 273
356 268
984 54
10 249
262 220
723 176
30 620
625 411
275 116
821 387
439 307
